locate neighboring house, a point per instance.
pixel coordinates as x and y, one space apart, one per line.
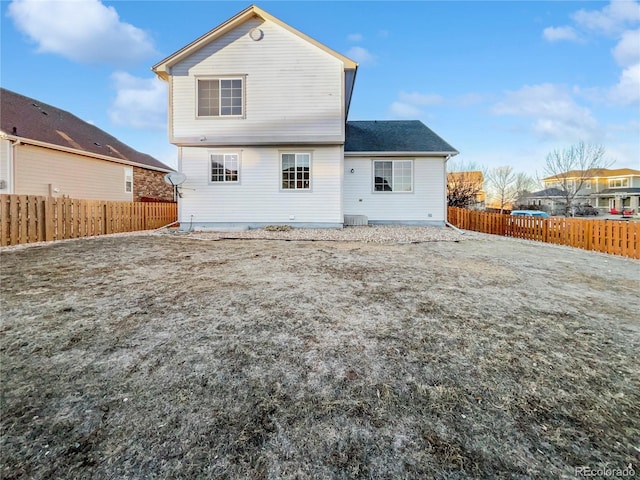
467 186
47 151
550 200
259 110
605 189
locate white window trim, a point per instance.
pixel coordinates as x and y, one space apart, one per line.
243 78
393 162
295 152
223 182
128 180
624 182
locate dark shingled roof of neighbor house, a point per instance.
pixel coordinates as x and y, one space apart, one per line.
34 120
394 136
548 192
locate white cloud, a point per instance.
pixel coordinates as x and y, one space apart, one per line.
555 34
361 55
554 112
139 102
410 105
627 51
355 37
421 99
612 19
80 30
627 90
405 111
618 19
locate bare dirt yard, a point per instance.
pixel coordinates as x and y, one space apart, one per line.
189 356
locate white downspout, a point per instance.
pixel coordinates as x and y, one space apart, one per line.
446 219
446 209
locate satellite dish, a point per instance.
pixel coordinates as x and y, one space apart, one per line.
175 178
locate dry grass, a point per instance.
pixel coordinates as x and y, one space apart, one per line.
166 356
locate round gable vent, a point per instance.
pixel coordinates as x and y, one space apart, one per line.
256 34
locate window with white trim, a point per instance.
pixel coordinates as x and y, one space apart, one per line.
587 185
618 182
224 167
128 179
220 97
296 171
393 176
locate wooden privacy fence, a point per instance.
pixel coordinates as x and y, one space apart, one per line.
30 218
616 237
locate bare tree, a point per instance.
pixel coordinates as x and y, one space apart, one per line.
502 184
571 167
524 184
464 189
465 185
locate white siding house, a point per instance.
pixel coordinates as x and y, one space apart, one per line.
259 110
421 205
257 197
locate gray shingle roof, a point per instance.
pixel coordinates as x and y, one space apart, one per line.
394 136
548 192
33 120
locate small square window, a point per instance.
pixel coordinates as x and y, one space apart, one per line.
393 176
224 168
296 171
128 180
220 97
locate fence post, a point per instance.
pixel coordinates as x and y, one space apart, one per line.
588 235
104 218
4 219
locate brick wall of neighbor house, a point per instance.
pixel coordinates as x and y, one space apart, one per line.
150 184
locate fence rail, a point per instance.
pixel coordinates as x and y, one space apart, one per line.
31 218
616 237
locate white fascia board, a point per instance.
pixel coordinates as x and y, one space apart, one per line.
51 146
400 154
256 140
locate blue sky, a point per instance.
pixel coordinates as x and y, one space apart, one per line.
503 82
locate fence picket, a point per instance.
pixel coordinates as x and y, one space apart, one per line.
614 237
30 218
4 220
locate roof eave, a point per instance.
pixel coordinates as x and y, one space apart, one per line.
401 154
38 143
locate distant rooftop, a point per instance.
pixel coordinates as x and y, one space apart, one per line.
32 119
596 172
394 136
548 192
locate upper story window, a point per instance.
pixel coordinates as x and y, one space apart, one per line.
392 176
220 97
296 171
224 167
587 185
618 182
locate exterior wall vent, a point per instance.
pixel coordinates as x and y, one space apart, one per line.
355 220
